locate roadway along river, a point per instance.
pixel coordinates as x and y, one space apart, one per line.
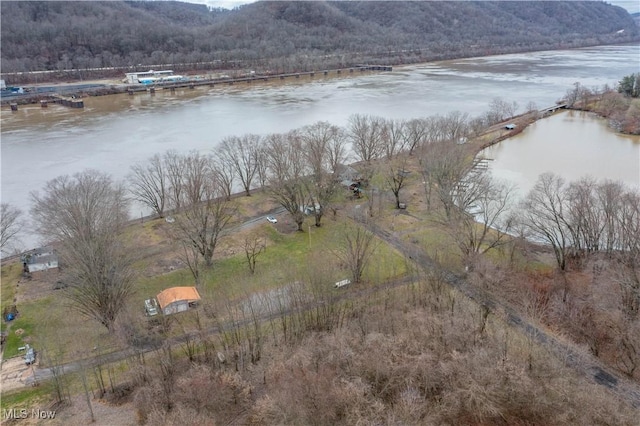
113 132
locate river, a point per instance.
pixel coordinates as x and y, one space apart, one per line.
114 132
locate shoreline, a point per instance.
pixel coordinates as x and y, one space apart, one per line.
48 92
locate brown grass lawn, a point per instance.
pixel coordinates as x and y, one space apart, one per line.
289 256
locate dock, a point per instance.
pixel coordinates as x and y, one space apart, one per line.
71 102
192 84
550 110
50 95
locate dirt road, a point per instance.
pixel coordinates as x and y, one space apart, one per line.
14 374
582 362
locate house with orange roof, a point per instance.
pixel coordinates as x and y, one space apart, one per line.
177 299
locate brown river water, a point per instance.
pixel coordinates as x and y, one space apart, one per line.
114 132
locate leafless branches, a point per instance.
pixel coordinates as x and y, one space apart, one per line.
355 250
10 224
287 172
149 184
201 223
253 247
86 214
242 154
544 211
324 149
483 218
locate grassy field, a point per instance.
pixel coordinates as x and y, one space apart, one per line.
9 276
49 322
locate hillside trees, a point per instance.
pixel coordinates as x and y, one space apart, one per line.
86 214
290 36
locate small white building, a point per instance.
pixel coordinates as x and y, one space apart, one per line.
3 85
151 76
177 299
39 259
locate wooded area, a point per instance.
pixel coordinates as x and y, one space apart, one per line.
293 36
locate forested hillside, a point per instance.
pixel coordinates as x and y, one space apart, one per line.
285 36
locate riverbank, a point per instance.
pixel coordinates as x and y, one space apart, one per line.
48 92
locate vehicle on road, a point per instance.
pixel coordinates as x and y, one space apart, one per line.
272 219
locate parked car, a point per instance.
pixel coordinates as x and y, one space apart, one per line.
151 307
272 219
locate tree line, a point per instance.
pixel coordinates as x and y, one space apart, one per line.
304 172
292 36
618 105
336 356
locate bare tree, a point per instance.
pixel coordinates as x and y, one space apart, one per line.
628 271
262 169
444 166
484 221
201 224
396 173
356 248
610 197
10 224
225 175
322 149
253 247
396 159
196 178
287 167
544 212
150 184
500 110
365 133
337 148
175 164
416 133
585 215
453 127
394 137
86 214
242 153
576 95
